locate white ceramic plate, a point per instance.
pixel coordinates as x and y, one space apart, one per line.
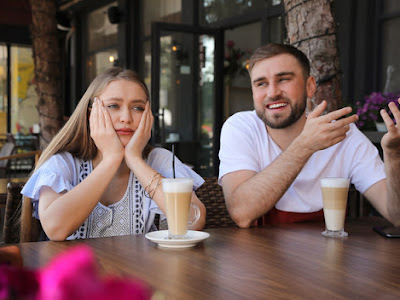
161 238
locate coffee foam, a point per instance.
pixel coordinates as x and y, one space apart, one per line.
335 182
177 185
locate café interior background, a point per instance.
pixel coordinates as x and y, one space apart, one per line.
181 49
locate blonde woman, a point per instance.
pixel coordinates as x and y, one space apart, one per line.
99 176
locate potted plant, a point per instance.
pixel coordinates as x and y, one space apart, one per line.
369 110
235 61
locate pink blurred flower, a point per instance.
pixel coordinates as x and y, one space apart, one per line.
71 275
230 44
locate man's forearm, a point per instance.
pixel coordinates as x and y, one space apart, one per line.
392 168
256 196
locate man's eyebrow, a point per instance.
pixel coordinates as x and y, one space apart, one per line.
259 79
280 74
284 74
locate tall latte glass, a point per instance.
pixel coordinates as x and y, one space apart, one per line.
177 197
334 197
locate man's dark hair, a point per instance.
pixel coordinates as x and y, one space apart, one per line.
271 50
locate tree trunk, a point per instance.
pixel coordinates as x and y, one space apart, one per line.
46 55
311 27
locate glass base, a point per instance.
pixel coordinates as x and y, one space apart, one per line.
178 237
334 234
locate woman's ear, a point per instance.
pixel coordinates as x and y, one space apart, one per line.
311 86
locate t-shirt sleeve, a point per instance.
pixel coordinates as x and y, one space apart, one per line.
367 167
56 173
238 150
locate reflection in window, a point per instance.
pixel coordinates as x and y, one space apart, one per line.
391 6
206 92
275 29
3 90
102 42
147 63
216 10
390 70
24 100
102 34
167 87
238 37
99 62
168 11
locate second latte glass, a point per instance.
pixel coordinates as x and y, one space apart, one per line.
334 197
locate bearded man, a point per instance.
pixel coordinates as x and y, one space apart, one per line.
272 159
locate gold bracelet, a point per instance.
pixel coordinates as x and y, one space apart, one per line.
148 186
155 188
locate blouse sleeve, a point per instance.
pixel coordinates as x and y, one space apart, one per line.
161 160
57 173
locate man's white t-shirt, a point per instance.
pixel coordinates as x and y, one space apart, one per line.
246 145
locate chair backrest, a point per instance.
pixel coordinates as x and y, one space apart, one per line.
31 230
19 225
210 193
12 217
7 149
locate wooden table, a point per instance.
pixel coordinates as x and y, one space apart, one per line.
291 261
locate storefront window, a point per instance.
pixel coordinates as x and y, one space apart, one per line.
216 10
238 49
168 11
102 42
23 117
147 63
99 62
3 91
391 6
24 100
390 65
276 29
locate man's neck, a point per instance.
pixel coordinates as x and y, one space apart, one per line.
285 136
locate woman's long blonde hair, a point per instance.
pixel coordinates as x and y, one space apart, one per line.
74 137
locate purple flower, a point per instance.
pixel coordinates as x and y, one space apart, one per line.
369 109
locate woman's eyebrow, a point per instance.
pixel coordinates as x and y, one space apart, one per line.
113 99
139 101
117 99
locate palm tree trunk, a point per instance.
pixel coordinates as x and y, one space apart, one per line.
46 54
311 27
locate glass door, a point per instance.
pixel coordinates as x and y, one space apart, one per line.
186 90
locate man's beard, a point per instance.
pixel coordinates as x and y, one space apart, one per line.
297 111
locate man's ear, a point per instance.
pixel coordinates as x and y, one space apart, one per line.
311 86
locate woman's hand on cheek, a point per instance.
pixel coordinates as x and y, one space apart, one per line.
102 131
141 136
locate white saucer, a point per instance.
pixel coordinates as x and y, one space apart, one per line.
161 238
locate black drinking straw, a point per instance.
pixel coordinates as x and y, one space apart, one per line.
173 160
